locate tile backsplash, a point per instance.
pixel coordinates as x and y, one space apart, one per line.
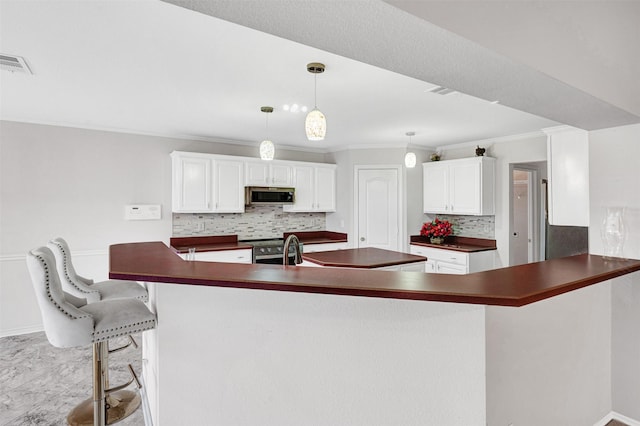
257 222
469 226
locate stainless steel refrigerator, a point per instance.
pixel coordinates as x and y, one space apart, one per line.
562 241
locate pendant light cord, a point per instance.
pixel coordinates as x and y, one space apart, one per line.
315 91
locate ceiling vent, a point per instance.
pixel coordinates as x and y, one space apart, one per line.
441 90
14 64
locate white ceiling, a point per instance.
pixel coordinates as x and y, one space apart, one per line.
155 68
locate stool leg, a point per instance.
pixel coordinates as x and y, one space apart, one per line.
107 405
99 409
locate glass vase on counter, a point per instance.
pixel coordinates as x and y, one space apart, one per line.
613 232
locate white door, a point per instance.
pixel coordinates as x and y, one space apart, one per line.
378 209
521 240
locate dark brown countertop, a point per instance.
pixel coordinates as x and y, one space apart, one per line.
455 243
512 286
207 243
318 237
366 258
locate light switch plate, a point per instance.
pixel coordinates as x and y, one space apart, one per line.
143 212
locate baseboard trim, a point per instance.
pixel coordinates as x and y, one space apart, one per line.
619 417
21 330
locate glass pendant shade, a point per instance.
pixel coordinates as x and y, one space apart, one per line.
410 160
267 150
315 125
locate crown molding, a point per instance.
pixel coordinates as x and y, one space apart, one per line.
166 135
493 141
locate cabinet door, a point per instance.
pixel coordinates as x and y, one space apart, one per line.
280 175
464 188
303 181
325 183
568 174
413 267
256 173
430 266
229 186
450 268
192 184
436 187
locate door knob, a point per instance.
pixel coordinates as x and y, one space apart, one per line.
361 238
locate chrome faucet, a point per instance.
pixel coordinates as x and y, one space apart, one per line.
298 251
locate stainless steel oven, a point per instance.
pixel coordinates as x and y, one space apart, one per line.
270 251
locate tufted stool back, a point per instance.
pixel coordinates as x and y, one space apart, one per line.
65 324
69 321
85 288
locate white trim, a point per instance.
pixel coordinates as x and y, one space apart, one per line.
23 257
619 417
491 141
21 330
167 135
401 176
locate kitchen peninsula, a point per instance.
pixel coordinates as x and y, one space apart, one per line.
293 356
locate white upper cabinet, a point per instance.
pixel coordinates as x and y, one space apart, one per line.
205 183
325 188
228 186
267 174
464 186
315 188
568 175
192 184
209 183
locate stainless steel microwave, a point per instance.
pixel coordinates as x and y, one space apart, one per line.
268 195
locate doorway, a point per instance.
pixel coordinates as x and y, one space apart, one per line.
377 207
525 216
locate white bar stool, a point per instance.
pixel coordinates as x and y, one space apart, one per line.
78 286
70 322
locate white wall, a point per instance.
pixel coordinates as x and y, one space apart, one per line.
614 162
549 363
506 152
74 183
283 358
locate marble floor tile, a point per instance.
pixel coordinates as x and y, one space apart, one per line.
40 384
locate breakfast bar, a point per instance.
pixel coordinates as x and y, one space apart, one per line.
288 345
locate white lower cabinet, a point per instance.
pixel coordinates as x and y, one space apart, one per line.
442 261
225 256
312 248
406 267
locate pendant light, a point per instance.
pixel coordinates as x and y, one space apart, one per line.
267 149
410 157
316 124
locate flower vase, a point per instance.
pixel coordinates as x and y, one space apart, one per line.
613 232
436 240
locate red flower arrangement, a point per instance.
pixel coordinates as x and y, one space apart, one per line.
437 228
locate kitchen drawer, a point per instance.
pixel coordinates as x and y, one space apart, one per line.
312 248
226 256
449 256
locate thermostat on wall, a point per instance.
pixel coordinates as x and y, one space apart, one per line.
142 212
